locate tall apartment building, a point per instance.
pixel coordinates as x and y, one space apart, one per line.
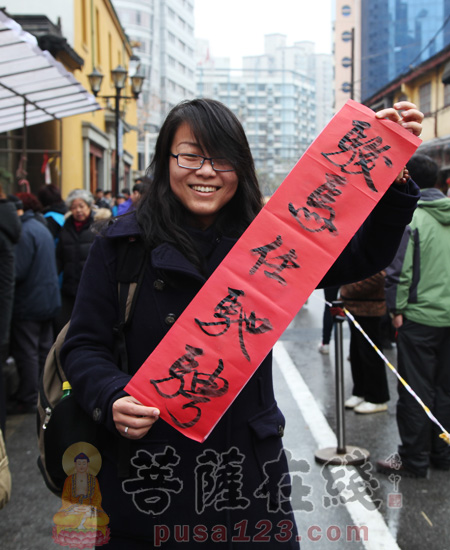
277 110
301 58
162 33
283 97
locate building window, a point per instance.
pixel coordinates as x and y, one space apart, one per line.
346 10
346 62
346 87
84 21
425 98
97 31
110 62
447 95
95 166
346 36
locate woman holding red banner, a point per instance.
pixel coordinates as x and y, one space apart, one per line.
235 487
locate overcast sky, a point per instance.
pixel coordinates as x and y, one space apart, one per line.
237 27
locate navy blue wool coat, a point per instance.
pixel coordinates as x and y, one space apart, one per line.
235 486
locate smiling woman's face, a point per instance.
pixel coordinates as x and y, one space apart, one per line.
202 192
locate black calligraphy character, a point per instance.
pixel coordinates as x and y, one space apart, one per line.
218 480
359 153
318 215
203 386
362 485
231 307
287 260
342 485
276 485
154 482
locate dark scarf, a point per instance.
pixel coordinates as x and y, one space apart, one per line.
79 225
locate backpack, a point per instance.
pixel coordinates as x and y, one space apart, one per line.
62 422
5 474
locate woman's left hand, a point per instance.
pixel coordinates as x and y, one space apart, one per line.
406 114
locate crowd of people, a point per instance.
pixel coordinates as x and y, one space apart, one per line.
202 195
44 243
413 293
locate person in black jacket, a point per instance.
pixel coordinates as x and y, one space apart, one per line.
195 209
54 208
10 229
75 240
36 302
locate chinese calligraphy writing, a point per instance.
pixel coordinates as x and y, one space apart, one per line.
311 217
359 154
286 260
230 311
199 388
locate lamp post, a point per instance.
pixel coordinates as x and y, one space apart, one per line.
119 77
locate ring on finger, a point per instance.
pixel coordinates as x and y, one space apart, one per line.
126 430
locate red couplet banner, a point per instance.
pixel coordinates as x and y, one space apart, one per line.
230 326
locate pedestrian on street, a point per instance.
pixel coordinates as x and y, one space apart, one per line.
36 302
203 195
119 199
10 229
75 240
100 199
418 297
54 208
366 301
131 202
330 294
126 192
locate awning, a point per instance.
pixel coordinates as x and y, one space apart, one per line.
34 87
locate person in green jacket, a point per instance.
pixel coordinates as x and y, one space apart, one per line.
418 298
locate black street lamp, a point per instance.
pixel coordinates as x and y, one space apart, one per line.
119 77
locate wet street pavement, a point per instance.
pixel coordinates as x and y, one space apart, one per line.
406 513
336 507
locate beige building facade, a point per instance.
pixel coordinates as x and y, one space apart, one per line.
82 148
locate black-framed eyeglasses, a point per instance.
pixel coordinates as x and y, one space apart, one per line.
195 162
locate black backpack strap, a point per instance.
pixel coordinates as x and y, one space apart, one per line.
131 261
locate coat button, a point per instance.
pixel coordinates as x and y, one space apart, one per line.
96 415
280 430
170 319
159 284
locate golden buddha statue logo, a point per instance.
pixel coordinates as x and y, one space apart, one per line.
81 521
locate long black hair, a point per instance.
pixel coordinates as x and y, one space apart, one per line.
161 215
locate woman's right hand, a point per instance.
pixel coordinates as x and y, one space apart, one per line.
129 413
